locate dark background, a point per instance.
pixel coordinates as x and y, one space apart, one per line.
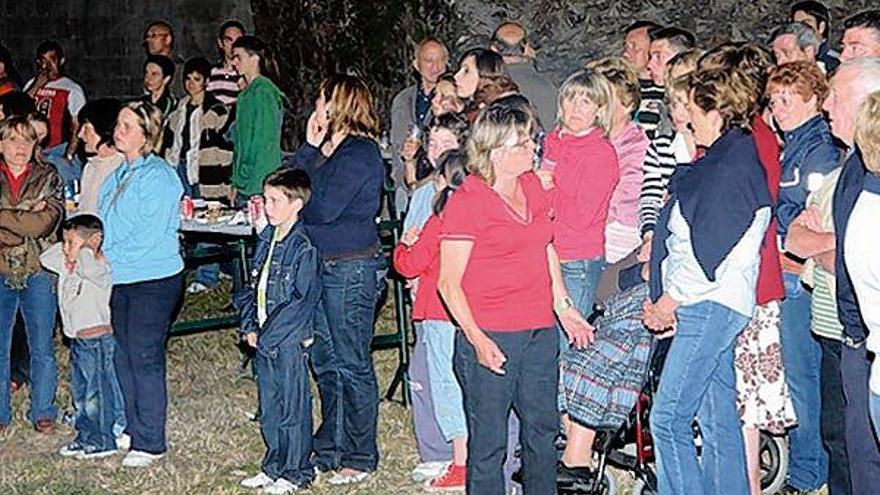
372 37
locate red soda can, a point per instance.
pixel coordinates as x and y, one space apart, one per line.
187 210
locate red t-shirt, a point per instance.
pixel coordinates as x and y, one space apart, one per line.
422 260
15 182
507 278
770 285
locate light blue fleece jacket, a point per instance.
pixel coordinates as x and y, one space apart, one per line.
139 204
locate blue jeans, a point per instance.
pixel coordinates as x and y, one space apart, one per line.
862 446
93 381
445 390
802 358
286 413
191 190
527 387
581 279
430 442
875 413
37 301
343 365
698 379
141 315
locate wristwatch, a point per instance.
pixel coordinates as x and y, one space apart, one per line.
562 304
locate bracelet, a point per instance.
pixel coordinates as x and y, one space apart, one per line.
562 304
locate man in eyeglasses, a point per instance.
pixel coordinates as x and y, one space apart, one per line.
159 40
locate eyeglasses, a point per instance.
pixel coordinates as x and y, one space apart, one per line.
150 36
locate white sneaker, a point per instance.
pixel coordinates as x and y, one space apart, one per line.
428 471
339 479
71 449
261 480
280 487
123 442
196 287
140 459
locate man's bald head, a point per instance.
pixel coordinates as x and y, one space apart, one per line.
509 40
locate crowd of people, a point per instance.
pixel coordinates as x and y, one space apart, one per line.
717 202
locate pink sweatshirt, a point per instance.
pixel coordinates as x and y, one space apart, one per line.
585 174
631 146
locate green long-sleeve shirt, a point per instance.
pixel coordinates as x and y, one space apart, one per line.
257 135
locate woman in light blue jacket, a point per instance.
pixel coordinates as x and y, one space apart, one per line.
139 204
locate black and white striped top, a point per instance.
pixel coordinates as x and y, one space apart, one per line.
664 153
651 106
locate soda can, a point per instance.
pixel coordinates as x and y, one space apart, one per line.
187 210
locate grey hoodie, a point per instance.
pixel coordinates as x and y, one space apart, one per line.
83 294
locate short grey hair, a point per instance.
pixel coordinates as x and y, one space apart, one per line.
804 35
867 72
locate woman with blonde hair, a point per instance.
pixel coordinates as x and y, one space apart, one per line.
703 276
501 281
139 203
631 144
580 164
343 161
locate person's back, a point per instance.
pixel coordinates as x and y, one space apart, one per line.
539 89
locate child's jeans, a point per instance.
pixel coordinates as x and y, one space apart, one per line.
445 390
286 407
94 391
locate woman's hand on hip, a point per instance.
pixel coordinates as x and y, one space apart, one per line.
489 354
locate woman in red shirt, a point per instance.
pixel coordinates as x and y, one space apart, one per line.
499 277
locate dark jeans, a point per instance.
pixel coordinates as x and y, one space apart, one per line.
37 301
528 387
833 409
286 413
343 365
141 314
861 445
92 379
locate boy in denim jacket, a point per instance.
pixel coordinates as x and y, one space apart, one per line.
277 314
84 285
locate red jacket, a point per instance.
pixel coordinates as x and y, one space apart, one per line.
770 285
422 260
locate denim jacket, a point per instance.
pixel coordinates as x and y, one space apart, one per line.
292 290
809 155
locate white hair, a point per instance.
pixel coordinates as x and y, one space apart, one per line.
867 74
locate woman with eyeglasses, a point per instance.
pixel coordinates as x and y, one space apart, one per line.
139 203
501 281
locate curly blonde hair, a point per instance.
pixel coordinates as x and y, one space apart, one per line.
623 78
867 135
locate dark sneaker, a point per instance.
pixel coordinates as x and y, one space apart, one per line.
574 479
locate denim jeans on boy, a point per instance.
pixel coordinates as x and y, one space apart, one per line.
528 386
344 367
141 315
93 382
430 442
875 413
581 279
37 301
802 357
445 390
286 413
698 379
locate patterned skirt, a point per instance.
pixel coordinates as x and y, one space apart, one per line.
763 399
599 385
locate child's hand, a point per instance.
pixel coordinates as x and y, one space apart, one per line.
251 338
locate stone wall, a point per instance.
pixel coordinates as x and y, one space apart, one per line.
103 38
376 38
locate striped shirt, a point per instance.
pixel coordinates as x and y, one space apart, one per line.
223 83
824 322
664 154
651 106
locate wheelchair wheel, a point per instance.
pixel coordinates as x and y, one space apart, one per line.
774 463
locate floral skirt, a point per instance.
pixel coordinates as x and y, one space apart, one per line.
763 399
